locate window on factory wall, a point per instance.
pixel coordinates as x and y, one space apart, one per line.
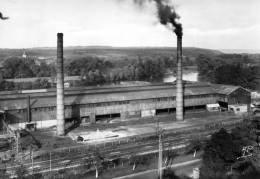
200 107
68 107
173 98
143 101
89 105
172 110
83 105
163 99
188 97
198 96
188 108
103 104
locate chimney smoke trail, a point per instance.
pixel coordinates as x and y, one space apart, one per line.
167 16
2 17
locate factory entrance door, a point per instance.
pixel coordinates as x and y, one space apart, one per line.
85 119
164 111
107 117
223 105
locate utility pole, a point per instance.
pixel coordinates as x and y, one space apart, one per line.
160 158
160 151
50 161
32 159
17 143
28 108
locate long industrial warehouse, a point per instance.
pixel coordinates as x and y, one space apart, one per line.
94 104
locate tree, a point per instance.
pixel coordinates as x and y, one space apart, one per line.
194 146
16 67
136 160
98 162
21 172
223 153
237 74
231 69
3 174
169 156
219 153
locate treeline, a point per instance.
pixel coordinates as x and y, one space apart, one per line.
16 67
232 155
231 69
37 84
92 70
95 71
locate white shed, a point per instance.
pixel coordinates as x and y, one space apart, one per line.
213 107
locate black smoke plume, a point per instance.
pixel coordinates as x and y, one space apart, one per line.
166 14
2 17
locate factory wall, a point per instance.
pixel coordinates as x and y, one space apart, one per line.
125 108
124 104
239 96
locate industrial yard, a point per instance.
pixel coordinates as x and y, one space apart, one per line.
129 138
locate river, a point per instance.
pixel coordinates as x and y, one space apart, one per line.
190 76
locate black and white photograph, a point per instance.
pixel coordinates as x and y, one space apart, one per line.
130 89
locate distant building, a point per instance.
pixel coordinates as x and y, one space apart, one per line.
24 55
255 95
238 109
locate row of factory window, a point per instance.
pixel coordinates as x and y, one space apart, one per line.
49 108
105 104
67 107
185 97
201 96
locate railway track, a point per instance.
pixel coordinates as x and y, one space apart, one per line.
141 146
110 153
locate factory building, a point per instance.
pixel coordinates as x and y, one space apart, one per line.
93 104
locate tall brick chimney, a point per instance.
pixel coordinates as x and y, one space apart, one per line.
60 87
179 84
28 109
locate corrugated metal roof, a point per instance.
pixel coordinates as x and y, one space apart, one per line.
112 93
189 88
226 89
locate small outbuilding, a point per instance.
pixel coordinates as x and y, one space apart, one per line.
213 107
233 97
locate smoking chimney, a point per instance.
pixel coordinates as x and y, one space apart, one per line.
60 87
179 84
167 15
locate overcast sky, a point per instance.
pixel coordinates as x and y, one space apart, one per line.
216 24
